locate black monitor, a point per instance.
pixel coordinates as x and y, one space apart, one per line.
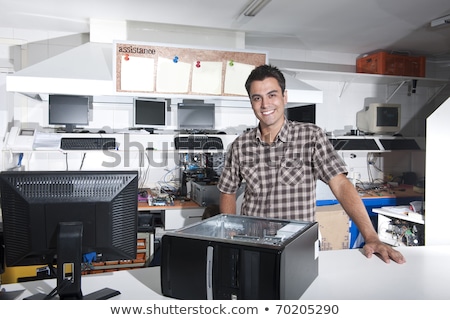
149 113
62 217
68 111
306 113
194 116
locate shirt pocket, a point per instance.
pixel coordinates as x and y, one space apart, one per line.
251 176
291 171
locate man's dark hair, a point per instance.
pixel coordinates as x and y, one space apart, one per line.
265 71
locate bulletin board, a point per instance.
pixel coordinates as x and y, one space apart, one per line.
145 68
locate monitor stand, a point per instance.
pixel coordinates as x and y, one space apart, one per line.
68 272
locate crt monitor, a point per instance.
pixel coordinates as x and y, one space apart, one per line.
149 113
68 111
379 118
62 217
196 116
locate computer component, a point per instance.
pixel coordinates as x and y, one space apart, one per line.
196 115
239 257
68 110
88 143
198 142
205 194
150 113
60 217
306 113
378 118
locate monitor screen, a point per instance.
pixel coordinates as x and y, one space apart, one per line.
60 217
68 110
305 113
379 118
149 113
387 116
196 116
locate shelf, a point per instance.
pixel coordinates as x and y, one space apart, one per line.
378 79
400 212
305 74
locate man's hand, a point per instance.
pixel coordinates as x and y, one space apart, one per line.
384 251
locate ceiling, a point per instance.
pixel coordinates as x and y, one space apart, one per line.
347 26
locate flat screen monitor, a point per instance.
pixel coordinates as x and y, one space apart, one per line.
68 111
194 116
379 118
149 113
306 113
63 217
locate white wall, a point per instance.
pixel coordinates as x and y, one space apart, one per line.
437 219
337 111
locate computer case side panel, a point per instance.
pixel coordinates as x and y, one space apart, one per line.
183 268
246 273
299 264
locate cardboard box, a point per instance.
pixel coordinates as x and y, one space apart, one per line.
334 226
391 64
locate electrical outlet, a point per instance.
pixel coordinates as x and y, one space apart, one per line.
356 175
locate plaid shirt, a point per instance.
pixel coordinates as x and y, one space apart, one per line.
281 177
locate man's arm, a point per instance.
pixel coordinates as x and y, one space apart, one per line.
228 203
350 200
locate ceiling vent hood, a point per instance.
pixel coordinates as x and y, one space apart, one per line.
87 70
6 66
84 70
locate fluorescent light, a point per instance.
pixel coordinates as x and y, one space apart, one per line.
254 7
440 21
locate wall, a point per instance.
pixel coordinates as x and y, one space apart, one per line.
337 111
437 219
335 114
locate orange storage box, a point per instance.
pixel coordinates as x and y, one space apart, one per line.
391 64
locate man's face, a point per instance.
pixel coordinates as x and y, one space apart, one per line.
268 102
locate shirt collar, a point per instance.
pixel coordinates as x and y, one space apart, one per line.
282 136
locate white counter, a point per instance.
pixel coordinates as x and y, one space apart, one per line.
349 275
343 275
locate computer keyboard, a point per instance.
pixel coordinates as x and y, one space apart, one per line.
88 143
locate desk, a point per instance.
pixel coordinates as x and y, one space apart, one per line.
177 204
343 275
129 286
181 214
349 275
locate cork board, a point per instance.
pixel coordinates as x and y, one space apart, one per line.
150 68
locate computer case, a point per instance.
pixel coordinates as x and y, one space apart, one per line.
205 194
239 257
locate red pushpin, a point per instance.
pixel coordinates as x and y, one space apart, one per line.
198 64
127 57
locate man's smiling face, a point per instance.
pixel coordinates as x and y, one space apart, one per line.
268 102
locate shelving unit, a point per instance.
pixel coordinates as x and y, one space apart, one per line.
352 77
396 220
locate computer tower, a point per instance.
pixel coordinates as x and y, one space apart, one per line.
239 257
205 194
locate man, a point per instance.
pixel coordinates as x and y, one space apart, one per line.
281 160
